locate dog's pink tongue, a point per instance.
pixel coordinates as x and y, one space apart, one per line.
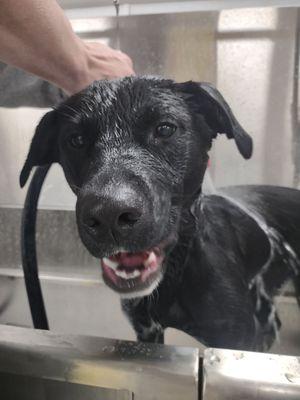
131 260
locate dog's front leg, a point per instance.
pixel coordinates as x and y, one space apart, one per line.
147 329
153 333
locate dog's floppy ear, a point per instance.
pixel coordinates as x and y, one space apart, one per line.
217 113
44 147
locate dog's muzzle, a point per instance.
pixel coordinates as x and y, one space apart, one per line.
119 226
133 273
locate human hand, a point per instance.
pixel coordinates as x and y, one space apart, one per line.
99 62
37 37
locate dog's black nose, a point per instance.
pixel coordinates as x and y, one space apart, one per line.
117 217
118 213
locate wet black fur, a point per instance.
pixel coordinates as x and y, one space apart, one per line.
215 250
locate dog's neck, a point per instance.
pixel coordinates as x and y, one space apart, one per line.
177 259
190 214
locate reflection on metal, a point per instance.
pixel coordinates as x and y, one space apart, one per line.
146 371
39 365
18 387
236 375
255 72
80 9
56 277
295 109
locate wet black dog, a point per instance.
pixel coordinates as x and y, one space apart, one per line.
134 151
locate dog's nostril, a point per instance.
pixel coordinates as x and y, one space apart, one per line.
128 218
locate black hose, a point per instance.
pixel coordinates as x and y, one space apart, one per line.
28 247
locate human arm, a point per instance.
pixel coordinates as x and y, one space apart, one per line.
37 37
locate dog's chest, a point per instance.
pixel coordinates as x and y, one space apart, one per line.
153 314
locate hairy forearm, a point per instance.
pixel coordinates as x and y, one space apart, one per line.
35 35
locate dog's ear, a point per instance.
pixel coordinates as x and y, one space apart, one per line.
207 100
44 146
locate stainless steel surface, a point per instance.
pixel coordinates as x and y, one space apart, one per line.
295 109
255 72
94 8
147 371
58 244
236 375
17 387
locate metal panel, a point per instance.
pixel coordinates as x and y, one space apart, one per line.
255 55
236 375
17 387
148 371
94 8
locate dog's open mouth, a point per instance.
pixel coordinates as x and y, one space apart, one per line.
128 272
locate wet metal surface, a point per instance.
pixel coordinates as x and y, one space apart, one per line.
146 371
58 241
40 365
18 387
236 375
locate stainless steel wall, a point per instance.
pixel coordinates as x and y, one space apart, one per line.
255 67
248 53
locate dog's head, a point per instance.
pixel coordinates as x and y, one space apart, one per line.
134 151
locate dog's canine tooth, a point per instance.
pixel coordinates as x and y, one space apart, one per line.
151 258
111 264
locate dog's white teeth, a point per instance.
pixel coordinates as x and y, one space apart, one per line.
135 273
128 275
111 264
151 258
121 274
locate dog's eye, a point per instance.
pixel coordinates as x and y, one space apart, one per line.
77 141
165 129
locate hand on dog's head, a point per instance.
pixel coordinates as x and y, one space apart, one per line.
134 151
